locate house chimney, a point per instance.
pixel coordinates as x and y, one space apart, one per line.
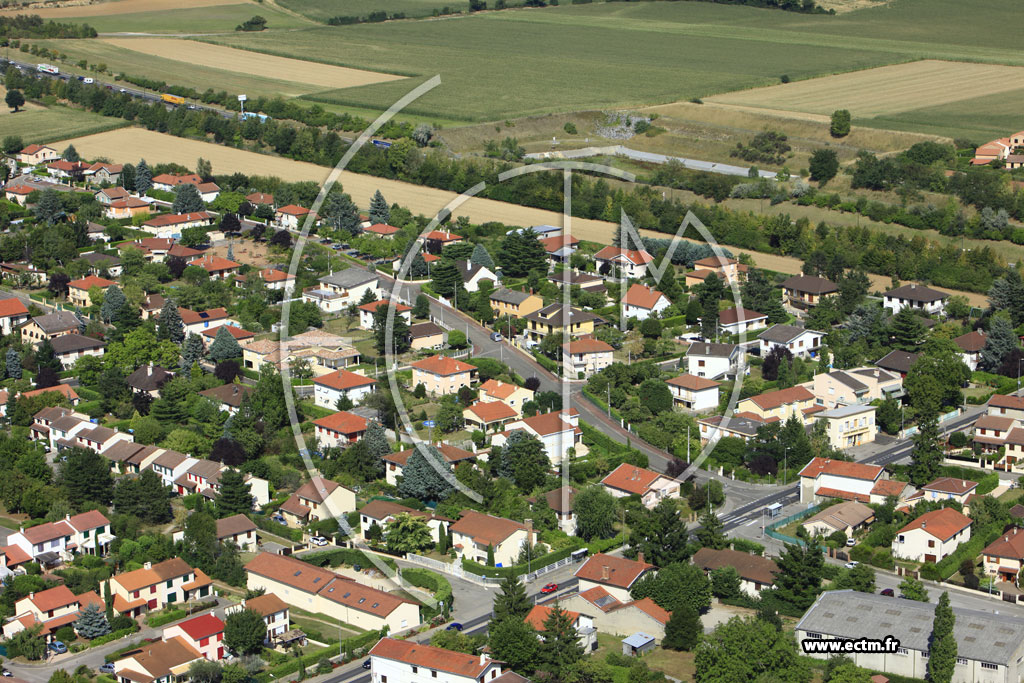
67 517
235 391
149 371
147 565
31 595
965 483
483 659
924 525
640 557
604 572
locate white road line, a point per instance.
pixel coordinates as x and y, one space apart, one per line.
753 521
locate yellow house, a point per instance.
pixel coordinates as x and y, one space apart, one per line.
78 290
442 375
316 500
782 404
475 532
516 304
512 395
557 318
848 426
155 586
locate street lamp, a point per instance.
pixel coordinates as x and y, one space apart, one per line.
785 466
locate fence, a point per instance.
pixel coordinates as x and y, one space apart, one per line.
910 431
452 569
771 530
550 568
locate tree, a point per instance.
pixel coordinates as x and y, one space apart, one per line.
244 632
683 630
204 169
847 672
422 476
399 332
675 585
58 284
524 461
199 545
560 644
512 602
49 208
421 309
85 477
144 497
281 239
205 671
823 165
1002 341
490 554
113 301
860 578
12 363
405 533
191 353
595 513
92 623
379 211
169 324
798 582
514 642
660 534
749 650
342 213
725 582
926 458
520 253
840 126
655 395
942 651
27 643
14 99
235 495
907 330
224 346
481 257
912 589
445 279
143 178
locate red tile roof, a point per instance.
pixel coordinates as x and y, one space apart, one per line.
631 479
485 529
634 256
374 305
190 317
91 281
265 604
293 210
442 236
972 342
587 346
498 389
202 626
539 614
651 609
1009 545
449 453
237 332
54 598
88 520
1007 401
841 468
343 380
491 411
773 399
382 229
553 244
957 487
12 307
642 297
443 365
429 657
290 571
214 264
611 570
68 392
259 198
342 422
889 487
692 382
169 219
943 523
32 149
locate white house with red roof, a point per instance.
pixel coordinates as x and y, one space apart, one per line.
394 463
272 278
51 608
512 395
316 500
339 430
218 267
171 224
559 248
630 480
274 610
442 375
632 263
616 617
328 389
616 575
78 290
382 230
196 322
932 536
970 345
741 320
368 310
86 533
257 198
558 431
475 532
240 335
291 217
585 357
33 155
641 302
406 661
488 416
12 314
829 478
204 633
692 393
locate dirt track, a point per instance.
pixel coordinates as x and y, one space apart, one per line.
128 144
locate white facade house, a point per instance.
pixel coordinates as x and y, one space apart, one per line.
970 345
558 431
798 341
337 291
406 661
741 320
917 297
632 263
932 536
642 302
328 389
368 311
713 361
473 274
693 394
828 478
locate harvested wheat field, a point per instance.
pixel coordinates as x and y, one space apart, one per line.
883 90
102 9
247 62
127 145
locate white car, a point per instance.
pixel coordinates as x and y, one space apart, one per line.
852 564
87 80
318 540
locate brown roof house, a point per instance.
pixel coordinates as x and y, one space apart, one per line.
476 535
755 572
316 500
616 575
932 536
630 480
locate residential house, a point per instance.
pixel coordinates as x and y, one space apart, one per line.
155 586
320 591
241 336
738 425
34 155
382 231
24 274
616 575
316 500
558 431
806 291
488 416
171 224
1003 405
587 282
330 388
848 426
560 319
325 352
828 478
630 480
632 263
218 268
101 173
126 209
62 428
693 394
228 397
99 438
619 618
756 572
426 335
514 303
731 269
585 357
583 624
66 170
932 536
859 386
949 488
128 457
102 264
642 302
108 195
512 395
148 379
368 311
167 182
50 609
78 290
394 463
380 512
898 362
272 278
917 297
560 501
436 240
339 429
442 375
67 391
70 347
406 661
477 535
171 465
240 530
988 645
257 198
337 291
204 633
473 274
12 314
195 322
798 341
1003 558
971 345
741 320
559 248
713 361
18 194
274 610
992 432
163 661
890 488
87 533
847 517
696 278
781 404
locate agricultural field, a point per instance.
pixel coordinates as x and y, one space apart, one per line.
322 10
999 116
100 9
47 124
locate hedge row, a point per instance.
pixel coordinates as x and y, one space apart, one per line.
517 569
113 635
166 617
950 564
349 556
434 582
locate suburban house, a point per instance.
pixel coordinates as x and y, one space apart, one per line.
426 335
51 608
257 198
488 416
917 297
559 248
340 429
632 263
101 172
147 379
858 386
897 362
70 347
33 155
78 290
514 303
382 230
741 320
988 645
583 624
1004 557
217 267
512 395
272 278
798 341
99 438
947 488
436 240
827 478
992 432
170 465
971 345
932 536
848 426
442 375
472 275
585 357
12 314
558 431
616 575
368 311
338 290
713 361
87 533
162 661
321 591
642 302
731 269
806 291
325 352
406 661
560 501
618 618
67 170
171 224
291 216
227 397
154 586
102 264
477 535
238 529
204 634
380 512
847 517
394 463
330 388
693 393
109 195
273 609
587 282
755 572
780 404
560 319
630 480
196 322
126 209
741 426
316 500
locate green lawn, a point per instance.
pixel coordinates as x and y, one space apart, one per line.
55 123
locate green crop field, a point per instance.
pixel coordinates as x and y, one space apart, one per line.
55 123
322 10
190 19
977 120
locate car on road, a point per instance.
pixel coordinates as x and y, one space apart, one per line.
318 540
7 674
850 542
366 664
496 336
57 647
88 80
279 518
337 247
454 626
107 668
123 90
549 588
851 564
888 592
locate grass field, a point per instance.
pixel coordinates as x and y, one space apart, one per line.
170 16
43 125
322 10
100 9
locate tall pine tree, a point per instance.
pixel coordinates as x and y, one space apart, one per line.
12 359
170 325
143 177
224 346
511 602
235 494
191 354
482 257
942 651
560 646
379 210
113 301
92 623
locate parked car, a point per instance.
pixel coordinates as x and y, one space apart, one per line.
87 80
454 626
107 668
850 542
852 564
318 540
496 336
888 592
278 518
57 647
549 588
6 674
366 664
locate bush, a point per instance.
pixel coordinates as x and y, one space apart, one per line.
931 572
332 558
435 583
165 617
65 634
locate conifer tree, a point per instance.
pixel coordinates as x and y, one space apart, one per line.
379 210
942 653
13 362
683 629
191 354
512 602
143 177
113 301
169 325
92 623
224 346
481 257
235 494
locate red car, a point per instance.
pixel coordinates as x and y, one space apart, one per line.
549 588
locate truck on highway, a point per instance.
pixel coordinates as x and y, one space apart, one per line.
246 115
47 69
173 99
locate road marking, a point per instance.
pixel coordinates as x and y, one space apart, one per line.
751 522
